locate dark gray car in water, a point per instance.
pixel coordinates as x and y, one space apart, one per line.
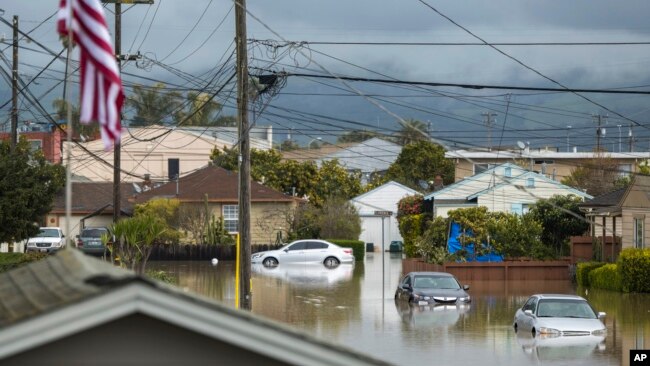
431 288
89 240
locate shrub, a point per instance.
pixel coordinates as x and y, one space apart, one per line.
634 268
606 277
161 276
10 261
410 227
410 205
582 272
358 248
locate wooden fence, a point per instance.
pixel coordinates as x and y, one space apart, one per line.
582 248
487 271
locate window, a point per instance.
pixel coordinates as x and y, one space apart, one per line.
480 168
638 232
231 218
547 162
624 170
316 245
508 172
531 304
517 208
35 145
530 183
298 246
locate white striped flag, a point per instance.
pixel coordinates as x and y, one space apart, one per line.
101 88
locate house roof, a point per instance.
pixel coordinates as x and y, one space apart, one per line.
539 154
69 292
475 183
314 154
372 155
88 197
219 184
382 187
612 198
525 176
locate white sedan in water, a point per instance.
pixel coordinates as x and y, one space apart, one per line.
559 315
306 251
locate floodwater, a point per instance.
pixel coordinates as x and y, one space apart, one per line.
349 305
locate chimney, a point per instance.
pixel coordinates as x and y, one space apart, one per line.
437 183
146 184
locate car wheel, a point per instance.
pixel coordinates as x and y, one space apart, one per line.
270 262
331 262
533 331
515 326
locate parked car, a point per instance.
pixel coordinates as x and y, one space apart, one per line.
89 240
395 246
306 251
431 288
559 315
48 239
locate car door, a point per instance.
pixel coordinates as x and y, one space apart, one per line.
528 321
316 251
294 253
404 288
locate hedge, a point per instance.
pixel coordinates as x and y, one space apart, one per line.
10 261
410 227
634 269
582 272
606 277
358 248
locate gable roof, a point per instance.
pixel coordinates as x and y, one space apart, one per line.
372 155
476 183
382 187
88 197
525 176
83 292
219 184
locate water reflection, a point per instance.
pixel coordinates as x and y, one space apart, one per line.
562 349
430 316
307 275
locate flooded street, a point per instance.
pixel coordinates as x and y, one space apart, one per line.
349 305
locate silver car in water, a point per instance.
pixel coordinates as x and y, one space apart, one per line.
559 315
306 251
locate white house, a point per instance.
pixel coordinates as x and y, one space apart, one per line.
504 188
372 207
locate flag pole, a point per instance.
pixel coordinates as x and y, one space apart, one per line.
68 130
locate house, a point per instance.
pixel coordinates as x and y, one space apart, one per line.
504 188
92 205
71 309
261 137
623 214
373 207
161 152
551 162
46 139
220 186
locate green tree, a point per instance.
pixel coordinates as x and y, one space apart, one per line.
595 176
135 237
166 210
356 136
412 131
339 219
61 113
28 184
473 222
419 162
513 235
335 181
431 246
201 110
153 105
288 145
560 218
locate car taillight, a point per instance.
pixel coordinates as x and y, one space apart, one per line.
347 251
80 243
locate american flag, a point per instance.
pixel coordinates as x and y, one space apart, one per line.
101 88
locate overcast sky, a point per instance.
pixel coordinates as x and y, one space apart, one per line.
192 37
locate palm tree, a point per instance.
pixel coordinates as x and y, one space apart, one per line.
201 110
90 131
153 105
412 130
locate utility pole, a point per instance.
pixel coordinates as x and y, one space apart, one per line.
244 156
600 131
117 163
14 88
619 138
568 132
630 139
488 121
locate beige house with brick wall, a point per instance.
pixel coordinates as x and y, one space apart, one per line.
550 162
268 206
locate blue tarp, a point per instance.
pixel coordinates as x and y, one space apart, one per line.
453 245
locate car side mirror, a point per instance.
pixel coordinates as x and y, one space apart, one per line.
601 315
465 287
76 236
286 250
528 312
63 236
406 286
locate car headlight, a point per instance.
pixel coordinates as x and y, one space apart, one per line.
31 244
421 297
549 331
464 299
599 332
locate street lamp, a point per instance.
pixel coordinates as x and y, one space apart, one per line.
619 137
568 131
312 140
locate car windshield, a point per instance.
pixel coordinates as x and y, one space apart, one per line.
565 308
48 233
93 233
435 282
